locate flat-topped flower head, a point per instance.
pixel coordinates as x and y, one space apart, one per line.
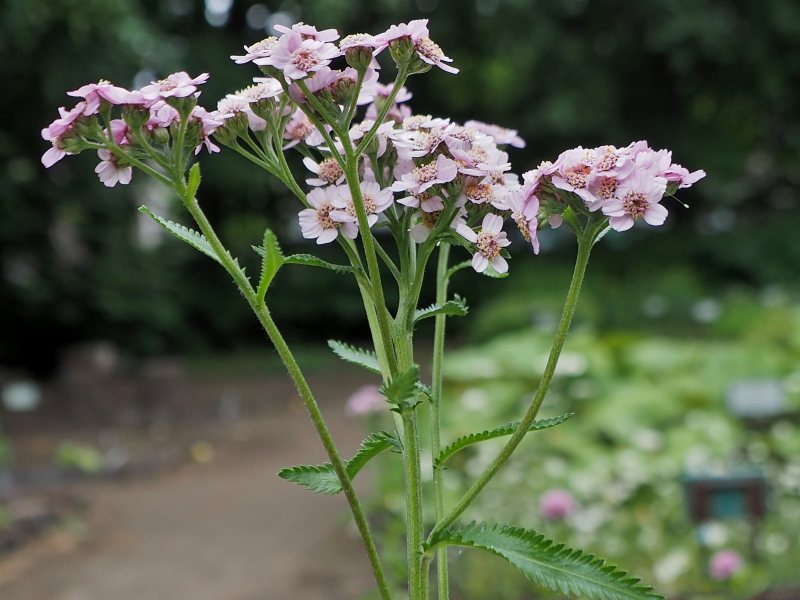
309 32
327 171
637 198
259 53
489 241
318 222
298 57
112 170
176 85
94 93
376 200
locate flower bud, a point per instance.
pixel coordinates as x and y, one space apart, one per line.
72 143
342 90
360 57
160 136
134 116
402 51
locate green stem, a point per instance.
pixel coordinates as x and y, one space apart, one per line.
264 317
399 80
436 398
351 173
585 241
416 585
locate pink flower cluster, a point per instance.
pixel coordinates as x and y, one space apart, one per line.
150 110
557 504
625 184
302 50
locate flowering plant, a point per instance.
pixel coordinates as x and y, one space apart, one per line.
390 188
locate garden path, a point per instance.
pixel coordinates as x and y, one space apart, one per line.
227 529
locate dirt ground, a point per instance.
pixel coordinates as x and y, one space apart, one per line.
224 529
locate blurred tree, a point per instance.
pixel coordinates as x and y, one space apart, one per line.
714 80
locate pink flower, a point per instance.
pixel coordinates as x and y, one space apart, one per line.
376 200
176 85
58 130
501 135
232 105
724 564
260 52
557 504
309 32
358 40
318 223
523 211
359 130
162 115
301 129
685 179
637 197
573 168
94 93
298 57
442 170
414 30
328 171
426 221
489 241
110 172
208 125
366 400
119 131
430 52
321 79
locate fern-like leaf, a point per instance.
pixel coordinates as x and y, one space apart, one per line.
548 564
452 308
503 430
322 479
190 236
404 388
313 261
357 356
272 259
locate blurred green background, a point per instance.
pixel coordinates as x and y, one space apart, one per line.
713 80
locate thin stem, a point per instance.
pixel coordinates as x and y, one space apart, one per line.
436 398
413 504
387 260
264 317
585 242
399 80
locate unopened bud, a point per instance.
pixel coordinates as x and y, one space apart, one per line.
402 51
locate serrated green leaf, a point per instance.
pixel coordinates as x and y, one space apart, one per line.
357 356
548 564
490 272
313 261
189 236
322 479
271 260
452 308
508 429
403 387
194 180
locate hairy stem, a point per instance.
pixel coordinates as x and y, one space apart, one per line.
436 398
